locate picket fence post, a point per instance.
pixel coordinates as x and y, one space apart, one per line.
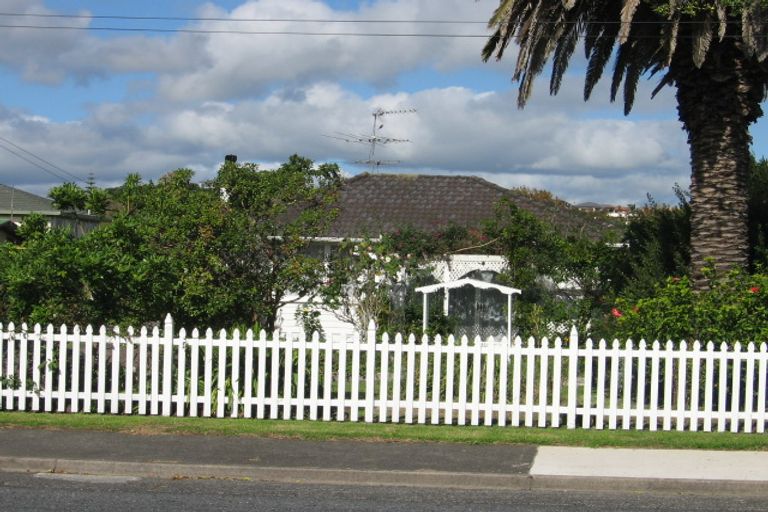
36 354
74 404
761 385
23 356
573 354
61 395
370 371
167 364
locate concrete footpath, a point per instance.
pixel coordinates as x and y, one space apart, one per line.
380 463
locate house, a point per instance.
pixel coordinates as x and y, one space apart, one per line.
15 204
371 205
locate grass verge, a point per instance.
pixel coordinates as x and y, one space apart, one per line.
324 431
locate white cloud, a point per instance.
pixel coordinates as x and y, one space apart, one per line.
241 64
266 97
221 66
455 130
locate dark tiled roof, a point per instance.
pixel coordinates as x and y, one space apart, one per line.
372 204
23 202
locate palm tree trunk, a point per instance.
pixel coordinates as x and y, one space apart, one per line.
716 104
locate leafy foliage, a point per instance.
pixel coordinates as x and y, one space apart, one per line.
361 282
68 196
564 279
656 245
758 214
43 280
529 244
33 225
223 253
652 280
269 219
734 308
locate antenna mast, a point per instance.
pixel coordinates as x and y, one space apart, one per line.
375 139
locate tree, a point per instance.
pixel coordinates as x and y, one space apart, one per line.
360 282
161 256
228 252
96 201
69 197
655 246
713 52
33 225
270 218
529 244
758 214
43 279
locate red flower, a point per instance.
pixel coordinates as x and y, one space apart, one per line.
754 289
616 313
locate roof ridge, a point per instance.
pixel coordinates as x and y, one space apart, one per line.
478 179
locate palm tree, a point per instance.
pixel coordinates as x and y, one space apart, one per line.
714 52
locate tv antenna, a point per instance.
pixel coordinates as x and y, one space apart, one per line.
375 139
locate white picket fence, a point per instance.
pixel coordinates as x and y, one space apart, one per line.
385 379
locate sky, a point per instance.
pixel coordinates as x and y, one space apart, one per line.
106 103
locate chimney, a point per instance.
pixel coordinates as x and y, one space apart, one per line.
231 158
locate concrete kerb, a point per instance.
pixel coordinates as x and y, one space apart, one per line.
435 479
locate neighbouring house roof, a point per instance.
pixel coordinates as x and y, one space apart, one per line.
22 203
15 204
372 204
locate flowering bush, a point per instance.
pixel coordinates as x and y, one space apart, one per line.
735 308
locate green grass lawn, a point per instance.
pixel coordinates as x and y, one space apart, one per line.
317 430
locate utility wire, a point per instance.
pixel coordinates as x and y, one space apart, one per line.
235 20
285 32
61 176
324 20
242 32
57 176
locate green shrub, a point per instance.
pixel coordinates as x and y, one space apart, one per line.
734 308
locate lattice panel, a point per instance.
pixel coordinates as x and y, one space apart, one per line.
459 266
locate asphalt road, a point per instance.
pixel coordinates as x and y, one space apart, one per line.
43 492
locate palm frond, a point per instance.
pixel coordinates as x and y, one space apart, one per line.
645 40
598 59
702 38
565 48
754 21
627 13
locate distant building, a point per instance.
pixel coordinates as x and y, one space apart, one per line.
15 204
614 211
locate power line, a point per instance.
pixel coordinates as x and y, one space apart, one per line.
242 32
123 17
39 159
236 20
120 17
285 32
32 162
43 160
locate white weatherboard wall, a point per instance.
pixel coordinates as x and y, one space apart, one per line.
446 270
385 379
331 325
